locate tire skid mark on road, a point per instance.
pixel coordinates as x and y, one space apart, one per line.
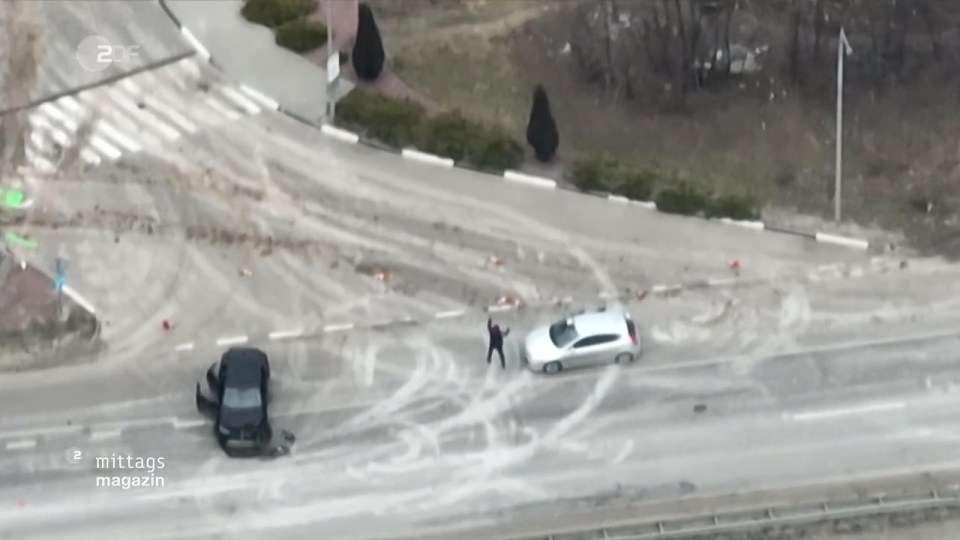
348 185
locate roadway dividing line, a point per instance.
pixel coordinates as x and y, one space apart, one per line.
338 327
184 347
186 424
106 434
285 334
22 445
834 413
449 314
235 340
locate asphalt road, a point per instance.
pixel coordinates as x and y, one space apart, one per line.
175 196
438 436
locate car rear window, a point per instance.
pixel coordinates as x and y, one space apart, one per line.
562 334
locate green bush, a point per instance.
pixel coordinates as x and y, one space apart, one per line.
499 151
403 123
603 173
594 173
636 185
452 135
739 207
274 13
395 122
301 35
684 199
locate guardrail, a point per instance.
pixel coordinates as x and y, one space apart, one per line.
774 521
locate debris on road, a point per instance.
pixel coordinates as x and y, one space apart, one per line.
245 272
382 276
507 300
735 266
166 325
641 294
496 261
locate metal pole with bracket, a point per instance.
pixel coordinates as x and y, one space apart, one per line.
843 49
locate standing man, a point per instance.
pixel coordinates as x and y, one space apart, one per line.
496 341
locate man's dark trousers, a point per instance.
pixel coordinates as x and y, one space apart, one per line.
499 348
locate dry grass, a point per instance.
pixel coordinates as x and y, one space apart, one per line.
458 54
485 57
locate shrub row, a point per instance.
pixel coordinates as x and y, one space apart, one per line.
301 35
288 19
402 123
675 196
275 13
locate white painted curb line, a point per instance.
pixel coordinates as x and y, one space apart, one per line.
188 35
842 241
758 225
623 200
68 290
416 155
259 97
513 176
341 134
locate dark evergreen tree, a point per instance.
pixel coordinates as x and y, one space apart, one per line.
542 132
368 55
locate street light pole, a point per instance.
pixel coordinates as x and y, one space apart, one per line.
843 49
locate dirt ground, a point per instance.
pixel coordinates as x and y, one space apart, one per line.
30 317
485 56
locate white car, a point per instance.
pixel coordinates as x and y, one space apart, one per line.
585 339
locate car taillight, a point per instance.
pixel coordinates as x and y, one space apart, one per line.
632 329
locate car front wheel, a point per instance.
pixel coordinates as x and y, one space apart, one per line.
553 367
624 358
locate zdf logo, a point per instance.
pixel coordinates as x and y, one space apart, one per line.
96 53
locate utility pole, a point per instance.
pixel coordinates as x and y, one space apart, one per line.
843 50
333 66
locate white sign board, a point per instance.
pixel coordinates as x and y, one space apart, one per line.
333 67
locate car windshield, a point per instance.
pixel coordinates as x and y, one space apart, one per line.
562 333
241 398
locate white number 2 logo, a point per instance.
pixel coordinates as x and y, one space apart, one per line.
77 455
103 53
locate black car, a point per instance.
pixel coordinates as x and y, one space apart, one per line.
241 388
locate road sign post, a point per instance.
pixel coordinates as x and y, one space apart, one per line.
333 85
59 280
333 66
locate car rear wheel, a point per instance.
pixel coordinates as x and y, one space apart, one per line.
624 358
553 367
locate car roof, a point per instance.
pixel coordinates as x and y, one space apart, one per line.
600 322
243 366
